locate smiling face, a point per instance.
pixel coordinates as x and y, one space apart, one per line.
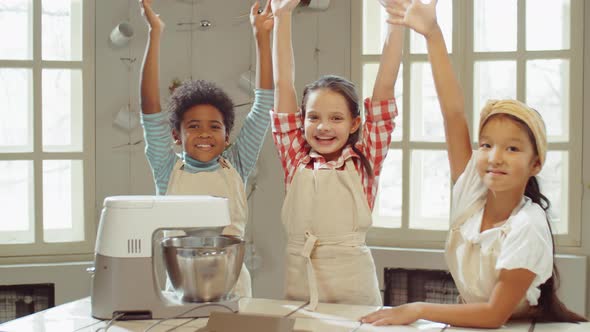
506 158
202 133
328 123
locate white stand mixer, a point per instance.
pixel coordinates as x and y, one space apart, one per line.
124 281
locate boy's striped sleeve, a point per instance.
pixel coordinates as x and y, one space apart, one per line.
158 148
245 151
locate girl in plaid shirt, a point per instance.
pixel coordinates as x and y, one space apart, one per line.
331 173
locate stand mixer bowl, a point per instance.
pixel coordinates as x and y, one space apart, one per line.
203 268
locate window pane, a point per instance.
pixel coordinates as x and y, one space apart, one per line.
492 80
63 201
553 181
547 91
548 24
16 110
369 76
16 202
492 34
62 110
62 29
429 190
426 118
374 27
387 211
16 30
444 12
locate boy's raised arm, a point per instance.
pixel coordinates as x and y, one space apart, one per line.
150 76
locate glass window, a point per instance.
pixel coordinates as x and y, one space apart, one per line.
548 92
493 63
492 34
62 110
16 110
63 200
16 30
426 119
16 202
62 30
45 164
548 25
429 190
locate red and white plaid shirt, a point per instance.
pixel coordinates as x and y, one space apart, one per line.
287 132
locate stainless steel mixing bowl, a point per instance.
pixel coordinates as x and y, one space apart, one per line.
203 268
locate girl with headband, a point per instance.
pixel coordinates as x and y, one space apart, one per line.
500 247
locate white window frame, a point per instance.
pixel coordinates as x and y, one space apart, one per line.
462 39
40 250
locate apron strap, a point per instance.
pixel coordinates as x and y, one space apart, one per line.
311 279
178 165
350 167
224 163
470 211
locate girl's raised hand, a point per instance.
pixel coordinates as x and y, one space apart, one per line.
415 14
283 6
152 19
262 22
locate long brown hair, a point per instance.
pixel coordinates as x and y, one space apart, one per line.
550 308
346 89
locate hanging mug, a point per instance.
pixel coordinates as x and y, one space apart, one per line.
121 34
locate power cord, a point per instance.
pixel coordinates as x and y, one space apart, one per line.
110 323
186 312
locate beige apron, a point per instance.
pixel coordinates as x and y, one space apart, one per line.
473 269
223 182
326 217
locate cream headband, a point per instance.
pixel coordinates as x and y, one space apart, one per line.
529 116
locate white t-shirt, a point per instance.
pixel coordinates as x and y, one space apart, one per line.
527 244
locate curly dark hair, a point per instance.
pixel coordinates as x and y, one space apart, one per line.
199 92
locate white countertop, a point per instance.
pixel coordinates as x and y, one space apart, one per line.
75 316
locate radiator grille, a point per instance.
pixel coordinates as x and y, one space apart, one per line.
405 286
21 300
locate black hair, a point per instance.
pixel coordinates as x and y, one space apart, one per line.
346 89
199 92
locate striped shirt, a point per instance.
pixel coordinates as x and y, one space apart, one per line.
242 154
287 130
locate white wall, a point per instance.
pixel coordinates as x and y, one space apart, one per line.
70 279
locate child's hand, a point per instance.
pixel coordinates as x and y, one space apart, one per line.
414 14
283 6
400 315
261 22
152 19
